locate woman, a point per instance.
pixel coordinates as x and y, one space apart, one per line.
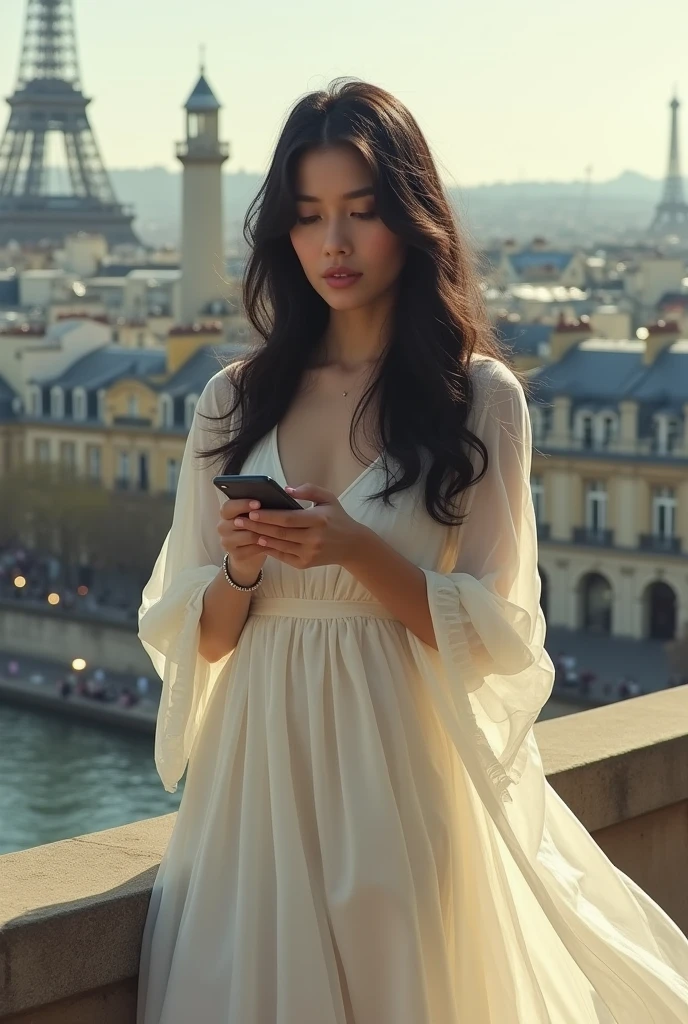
366 835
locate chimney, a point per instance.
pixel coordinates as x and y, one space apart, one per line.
659 337
566 335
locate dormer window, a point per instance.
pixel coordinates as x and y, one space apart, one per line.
166 411
132 406
189 409
79 409
666 432
606 428
585 428
35 401
57 403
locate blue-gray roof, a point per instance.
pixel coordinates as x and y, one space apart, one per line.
194 374
523 338
607 371
202 99
106 365
529 258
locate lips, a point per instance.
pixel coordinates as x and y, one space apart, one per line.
340 273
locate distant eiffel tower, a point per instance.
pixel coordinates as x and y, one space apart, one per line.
48 102
671 215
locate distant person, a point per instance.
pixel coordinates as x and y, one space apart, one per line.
587 678
126 698
64 688
366 832
142 686
634 688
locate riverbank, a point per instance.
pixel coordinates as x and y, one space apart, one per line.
44 697
41 697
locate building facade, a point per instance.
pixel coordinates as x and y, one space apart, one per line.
610 482
116 416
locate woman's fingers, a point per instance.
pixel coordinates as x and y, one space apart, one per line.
266 530
238 506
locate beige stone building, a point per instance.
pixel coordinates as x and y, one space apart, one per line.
610 481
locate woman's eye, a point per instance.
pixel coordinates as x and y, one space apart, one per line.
367 215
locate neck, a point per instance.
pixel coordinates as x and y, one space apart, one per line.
354 337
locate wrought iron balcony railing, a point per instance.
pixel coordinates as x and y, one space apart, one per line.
660 544
597 538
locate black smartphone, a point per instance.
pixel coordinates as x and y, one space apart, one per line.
261 488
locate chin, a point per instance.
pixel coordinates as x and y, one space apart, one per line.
346 299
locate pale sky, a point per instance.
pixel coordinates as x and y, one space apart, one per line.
504 90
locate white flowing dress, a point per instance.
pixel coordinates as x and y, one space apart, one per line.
366 835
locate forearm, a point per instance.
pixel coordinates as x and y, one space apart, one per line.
394 581
224 615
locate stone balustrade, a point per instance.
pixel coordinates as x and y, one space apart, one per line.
72 912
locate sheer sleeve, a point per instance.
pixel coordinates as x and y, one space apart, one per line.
172 599
491 674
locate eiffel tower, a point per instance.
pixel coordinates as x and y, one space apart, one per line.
671 215
49 107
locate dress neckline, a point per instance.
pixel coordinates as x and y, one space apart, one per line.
283 481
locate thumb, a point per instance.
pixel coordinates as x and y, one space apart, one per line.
310 492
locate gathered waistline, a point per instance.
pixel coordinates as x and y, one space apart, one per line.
309 608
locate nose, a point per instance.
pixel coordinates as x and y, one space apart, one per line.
336 241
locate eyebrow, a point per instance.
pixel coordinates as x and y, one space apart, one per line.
358 193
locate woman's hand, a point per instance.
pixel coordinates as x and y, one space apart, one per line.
246 559
322 535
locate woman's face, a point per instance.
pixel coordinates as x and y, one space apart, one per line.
338 226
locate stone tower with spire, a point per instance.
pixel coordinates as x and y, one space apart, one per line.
202 156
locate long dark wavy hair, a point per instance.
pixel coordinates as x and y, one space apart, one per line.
422 383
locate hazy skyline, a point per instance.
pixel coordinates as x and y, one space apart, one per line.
503 91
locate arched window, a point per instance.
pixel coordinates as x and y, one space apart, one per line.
189 408
584 428
35 400
606 428
57 402
165 411
666 432
79 410
595 600
660 611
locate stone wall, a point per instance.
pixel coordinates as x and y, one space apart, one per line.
72 912
60 637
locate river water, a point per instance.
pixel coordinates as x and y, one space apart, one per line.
61 778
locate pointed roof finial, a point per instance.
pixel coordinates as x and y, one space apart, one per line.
202 49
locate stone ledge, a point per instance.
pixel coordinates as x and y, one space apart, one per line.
72 912
620 761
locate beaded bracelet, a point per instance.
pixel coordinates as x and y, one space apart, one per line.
238 586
